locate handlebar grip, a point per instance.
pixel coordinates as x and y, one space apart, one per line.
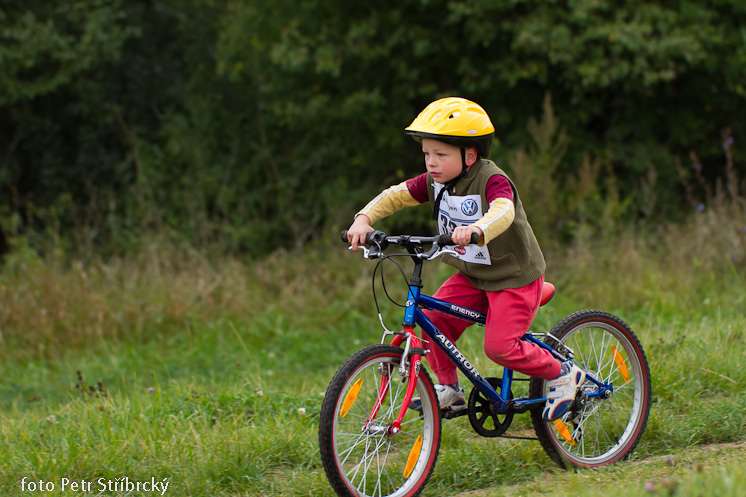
447 240
444 240
345 240
369 238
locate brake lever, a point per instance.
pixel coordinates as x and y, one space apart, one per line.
367 252
428 256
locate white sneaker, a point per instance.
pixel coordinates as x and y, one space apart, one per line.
450 399
562 390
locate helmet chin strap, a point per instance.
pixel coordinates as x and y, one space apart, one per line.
450 185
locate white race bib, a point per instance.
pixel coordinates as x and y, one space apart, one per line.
455 211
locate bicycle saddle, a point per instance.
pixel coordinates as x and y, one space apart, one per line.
547 292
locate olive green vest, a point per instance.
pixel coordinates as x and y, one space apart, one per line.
515 257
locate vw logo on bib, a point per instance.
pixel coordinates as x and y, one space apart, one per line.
469 207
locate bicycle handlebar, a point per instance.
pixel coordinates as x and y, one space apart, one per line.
383 240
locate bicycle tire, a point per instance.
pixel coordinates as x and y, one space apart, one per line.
365 462
603 431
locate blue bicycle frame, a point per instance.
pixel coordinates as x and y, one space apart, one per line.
501 401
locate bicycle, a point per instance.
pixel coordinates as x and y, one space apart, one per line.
375 441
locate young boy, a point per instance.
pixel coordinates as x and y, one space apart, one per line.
503 275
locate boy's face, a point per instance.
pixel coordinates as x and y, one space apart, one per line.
443 161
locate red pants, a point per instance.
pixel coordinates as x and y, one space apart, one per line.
509 315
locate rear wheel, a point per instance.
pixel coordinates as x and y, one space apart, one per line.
363 457
598 430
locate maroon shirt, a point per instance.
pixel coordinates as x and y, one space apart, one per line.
497 187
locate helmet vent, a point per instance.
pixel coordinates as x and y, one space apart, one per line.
454 115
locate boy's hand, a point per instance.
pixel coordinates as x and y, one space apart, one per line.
462 235
358 230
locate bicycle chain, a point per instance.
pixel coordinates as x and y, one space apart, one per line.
516 438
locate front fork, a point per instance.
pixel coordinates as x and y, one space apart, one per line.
411 359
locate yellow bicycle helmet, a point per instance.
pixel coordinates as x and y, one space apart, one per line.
457 121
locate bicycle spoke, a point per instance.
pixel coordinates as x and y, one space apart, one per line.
367 456
607 428
355 445
384 467
365 461
381 469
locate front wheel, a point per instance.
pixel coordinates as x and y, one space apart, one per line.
360 453
598 430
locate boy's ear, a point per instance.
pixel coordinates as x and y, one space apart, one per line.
471 156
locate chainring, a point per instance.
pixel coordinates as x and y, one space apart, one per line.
481 417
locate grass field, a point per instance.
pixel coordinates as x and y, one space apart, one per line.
208 375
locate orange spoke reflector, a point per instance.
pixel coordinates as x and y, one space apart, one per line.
620 363
414 454
564 431
350 398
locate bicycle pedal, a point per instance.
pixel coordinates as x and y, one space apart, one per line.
448 414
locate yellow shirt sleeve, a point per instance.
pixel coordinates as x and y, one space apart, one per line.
389 201
497 219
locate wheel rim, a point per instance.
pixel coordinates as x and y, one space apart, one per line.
372 461
603 428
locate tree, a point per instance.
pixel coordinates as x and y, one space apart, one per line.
250 124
